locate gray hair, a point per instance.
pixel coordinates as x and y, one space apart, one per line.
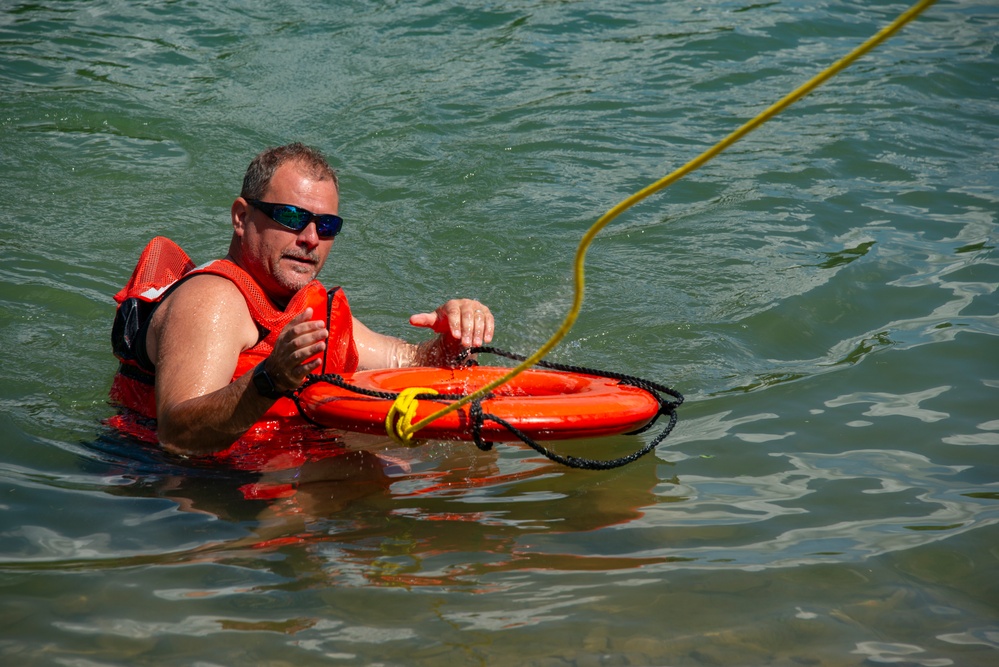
261 170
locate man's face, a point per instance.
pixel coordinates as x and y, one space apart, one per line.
281 260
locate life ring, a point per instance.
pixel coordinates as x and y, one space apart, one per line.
543 404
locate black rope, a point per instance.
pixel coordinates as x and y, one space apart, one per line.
654 388
338 381
478 416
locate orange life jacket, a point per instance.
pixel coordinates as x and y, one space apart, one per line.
162 266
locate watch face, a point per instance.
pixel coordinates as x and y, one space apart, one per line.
263 383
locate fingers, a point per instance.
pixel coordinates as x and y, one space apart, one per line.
465 320
297 351
304 338
481 326
427 320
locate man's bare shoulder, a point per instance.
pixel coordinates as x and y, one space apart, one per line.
206 288
203 305
205 297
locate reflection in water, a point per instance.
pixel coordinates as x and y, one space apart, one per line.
885 404
373 513
461 518
448 515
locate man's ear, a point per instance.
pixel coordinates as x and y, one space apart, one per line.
240 211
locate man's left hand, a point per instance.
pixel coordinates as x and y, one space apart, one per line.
462 323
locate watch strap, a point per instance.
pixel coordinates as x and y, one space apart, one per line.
263 383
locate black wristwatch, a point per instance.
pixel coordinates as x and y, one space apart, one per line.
264 384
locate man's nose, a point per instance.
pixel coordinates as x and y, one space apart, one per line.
309 236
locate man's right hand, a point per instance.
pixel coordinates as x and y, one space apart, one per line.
297 351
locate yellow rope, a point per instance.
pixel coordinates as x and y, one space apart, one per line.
406 432
399 419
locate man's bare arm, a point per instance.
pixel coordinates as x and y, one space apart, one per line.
195 340
459 323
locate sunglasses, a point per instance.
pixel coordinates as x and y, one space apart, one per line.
297 219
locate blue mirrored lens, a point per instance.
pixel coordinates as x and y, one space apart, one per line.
328 225
291 217
296 219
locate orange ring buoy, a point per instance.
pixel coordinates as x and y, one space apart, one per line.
544 404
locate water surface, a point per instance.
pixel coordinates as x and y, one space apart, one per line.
824 294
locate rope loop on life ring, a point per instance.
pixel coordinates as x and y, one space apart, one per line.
656 389
475 409
400 415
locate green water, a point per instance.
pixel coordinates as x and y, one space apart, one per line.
824 294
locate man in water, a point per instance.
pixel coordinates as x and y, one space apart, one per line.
283 224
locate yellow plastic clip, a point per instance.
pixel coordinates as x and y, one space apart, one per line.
400 416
